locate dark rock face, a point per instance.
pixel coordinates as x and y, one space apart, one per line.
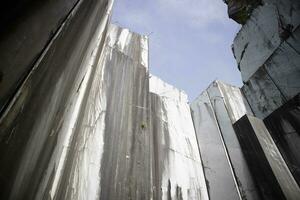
262 94
37 125
27 26
277 81
240 10
256 157
284 126
262 36
240 151
267 53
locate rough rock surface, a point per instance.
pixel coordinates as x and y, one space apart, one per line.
277 81
267 52
269 25
240 10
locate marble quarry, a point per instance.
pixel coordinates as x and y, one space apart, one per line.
82 117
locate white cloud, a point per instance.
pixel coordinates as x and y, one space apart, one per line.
135 18
195 12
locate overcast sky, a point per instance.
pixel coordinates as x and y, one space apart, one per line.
190 40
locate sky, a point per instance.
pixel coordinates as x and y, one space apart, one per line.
189 40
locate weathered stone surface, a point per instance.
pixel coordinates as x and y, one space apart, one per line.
240 10
265 160
40 122
277 81
284 66
178 169
226 170
284 127
126 160
27 26
268 26
267 50
262 94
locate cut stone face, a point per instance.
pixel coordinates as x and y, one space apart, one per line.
269 25
283 125
26 29
225 167
178 168
265 161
